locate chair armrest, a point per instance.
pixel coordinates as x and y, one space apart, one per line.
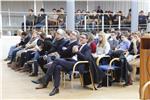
114 59
135 56
99 58
75 65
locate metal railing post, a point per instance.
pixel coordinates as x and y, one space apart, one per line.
24 20
103 23
85 22
46 24
119 23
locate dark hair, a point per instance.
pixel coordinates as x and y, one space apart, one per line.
43 35
30 10
86 35
24 33
58 11
130 10
42 9
62 8
54 9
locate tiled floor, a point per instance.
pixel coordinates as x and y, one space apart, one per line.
17 85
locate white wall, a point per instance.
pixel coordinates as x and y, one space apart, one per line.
49 5
80 5
15 6
5 43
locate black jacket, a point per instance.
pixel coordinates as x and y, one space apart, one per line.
67 53
57 45
85 55
40 18
24 41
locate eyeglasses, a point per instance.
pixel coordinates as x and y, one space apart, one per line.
112 34
82 37
99 35
122 37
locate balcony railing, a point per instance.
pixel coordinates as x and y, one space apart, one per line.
11 21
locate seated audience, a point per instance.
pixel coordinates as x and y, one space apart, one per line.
52 18
24 40
92 43
30 20
103 46
83 54
40 20
134 48
124 44
79 18
92 20
61 18
113 41
12 48
56 46
142 20
30 47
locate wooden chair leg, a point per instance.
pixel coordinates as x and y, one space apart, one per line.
63 78
81 79
92 80
134 73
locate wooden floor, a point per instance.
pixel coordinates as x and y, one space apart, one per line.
17 85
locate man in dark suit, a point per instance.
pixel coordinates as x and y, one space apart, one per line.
56 46
65 51
82 54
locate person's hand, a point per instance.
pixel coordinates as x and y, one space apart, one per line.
126 53
64 48
45 57
116 49
75 49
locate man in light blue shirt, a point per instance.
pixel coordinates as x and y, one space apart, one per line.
124 44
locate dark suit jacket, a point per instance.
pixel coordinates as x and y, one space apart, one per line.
24 41
67 53
57 45
85 55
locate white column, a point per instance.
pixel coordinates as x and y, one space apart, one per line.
0 20
70 15
134 15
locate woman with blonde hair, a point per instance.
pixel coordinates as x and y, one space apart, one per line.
103 47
